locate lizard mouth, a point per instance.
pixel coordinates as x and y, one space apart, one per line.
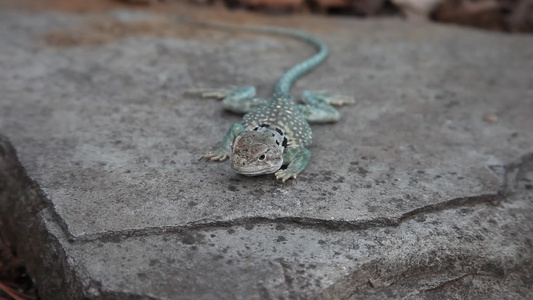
254 170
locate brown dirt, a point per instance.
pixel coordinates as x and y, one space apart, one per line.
98 30
501 15
79 6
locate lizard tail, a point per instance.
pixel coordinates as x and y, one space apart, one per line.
284 84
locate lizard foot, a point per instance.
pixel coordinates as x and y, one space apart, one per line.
210 92
215 155
283 175
332 98
229 94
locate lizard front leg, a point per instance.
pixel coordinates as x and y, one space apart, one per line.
297 159
222 152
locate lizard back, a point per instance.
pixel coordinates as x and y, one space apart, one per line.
281 115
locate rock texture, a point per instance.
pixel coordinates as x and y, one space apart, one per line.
423 190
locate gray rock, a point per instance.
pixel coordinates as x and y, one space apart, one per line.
422 190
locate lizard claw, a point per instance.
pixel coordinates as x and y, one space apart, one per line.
342 100
215 156
209 93
215 94
283 175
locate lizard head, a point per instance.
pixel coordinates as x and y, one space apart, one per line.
257 152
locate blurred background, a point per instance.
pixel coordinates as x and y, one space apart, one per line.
497 15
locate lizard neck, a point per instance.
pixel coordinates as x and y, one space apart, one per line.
284 84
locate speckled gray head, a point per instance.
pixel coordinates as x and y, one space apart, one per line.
257 152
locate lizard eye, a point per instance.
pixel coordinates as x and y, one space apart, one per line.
262 157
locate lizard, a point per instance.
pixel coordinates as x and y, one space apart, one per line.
274 132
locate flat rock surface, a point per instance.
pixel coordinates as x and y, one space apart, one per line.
422 190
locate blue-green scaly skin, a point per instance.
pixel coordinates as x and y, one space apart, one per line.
274 131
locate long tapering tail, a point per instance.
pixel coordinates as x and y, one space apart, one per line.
284 84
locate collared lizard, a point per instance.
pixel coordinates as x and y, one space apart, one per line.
274 132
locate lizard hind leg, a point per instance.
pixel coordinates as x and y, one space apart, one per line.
316 109
238 100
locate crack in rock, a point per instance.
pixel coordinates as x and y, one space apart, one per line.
509 176
309 223
510 173
445 283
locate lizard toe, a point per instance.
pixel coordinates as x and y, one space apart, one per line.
214 156
343 101
283 175
209 92
220 157
215 94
